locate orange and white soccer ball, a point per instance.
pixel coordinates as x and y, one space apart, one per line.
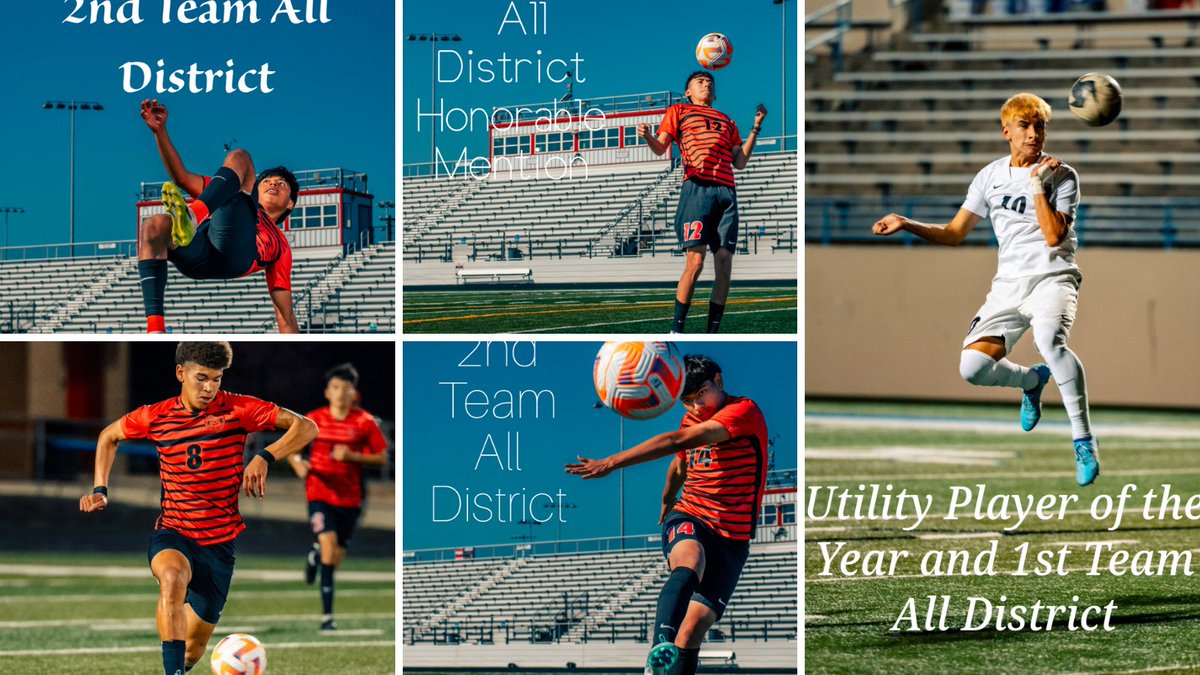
714 51
639 380
237 654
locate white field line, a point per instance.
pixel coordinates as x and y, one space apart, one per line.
88 651
617 323
810 579
933 516
125 572
144 597
129 624
1065 473
1114 542
963 535
914 455
1154 431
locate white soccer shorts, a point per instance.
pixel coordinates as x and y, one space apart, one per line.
1013 305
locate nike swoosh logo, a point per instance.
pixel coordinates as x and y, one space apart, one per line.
998 186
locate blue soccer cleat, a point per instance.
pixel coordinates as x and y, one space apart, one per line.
661 658
183 223
1087 461
1031 401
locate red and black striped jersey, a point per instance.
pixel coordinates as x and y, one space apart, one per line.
725 481
273 252
336 482
706 139
200 460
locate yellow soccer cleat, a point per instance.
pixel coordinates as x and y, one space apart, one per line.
183 223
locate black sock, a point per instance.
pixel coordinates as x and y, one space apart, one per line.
715 312
153 275
327 589
188 667
681 310
689 661
224 186
173 656
673 603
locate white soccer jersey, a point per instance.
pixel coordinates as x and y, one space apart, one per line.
1004 194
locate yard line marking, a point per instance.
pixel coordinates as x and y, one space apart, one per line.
596 308
142 597
653 320
1123 542
87 651
996 426
125 572
117 624
914 455
1108 473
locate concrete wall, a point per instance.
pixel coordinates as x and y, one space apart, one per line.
889 322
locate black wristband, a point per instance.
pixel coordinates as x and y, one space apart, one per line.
102 490
756 130
266 455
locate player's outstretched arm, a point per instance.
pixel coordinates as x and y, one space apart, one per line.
1054 224
676 474
950 234
299 432
661 445
106 452
741 154
285 316
154 114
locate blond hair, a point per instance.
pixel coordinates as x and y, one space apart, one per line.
1027 106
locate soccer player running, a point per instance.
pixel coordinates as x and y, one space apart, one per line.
349 439
707 215
1031 198
230 230
201 440
720 461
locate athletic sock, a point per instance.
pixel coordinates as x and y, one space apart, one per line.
224 186
327 589
689 661
980 369
1051 341
153 280
681 312
672 604
1074 396
172 652
715 312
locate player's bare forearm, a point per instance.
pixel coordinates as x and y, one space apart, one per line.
299 432
285 316
106 453
1054 225
377 459
173 163
654 448
948 234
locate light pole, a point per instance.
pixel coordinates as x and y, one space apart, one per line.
620 472
72 105
7 210
387 217
433 39
558 535
783 60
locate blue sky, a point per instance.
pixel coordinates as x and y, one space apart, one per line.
333 104
440 450
627 47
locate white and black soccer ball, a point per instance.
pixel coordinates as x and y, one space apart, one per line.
639 380
1095 99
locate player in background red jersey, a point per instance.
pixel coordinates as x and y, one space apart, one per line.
707 217
201 439
720 462
349 439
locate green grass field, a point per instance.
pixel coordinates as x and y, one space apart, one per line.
750 309
928 448
84 613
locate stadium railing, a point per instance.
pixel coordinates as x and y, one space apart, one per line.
1101 221
83 249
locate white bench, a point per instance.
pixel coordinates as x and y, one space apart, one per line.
524 274
711 657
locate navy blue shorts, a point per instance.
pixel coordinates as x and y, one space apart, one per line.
212 570
225 245
707 215
325 517
723 558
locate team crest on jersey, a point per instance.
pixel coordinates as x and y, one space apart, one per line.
214 422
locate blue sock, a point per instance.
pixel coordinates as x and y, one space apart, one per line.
173 651
327 589
153 276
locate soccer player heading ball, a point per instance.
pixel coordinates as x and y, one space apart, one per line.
707 216
1031 199
201 440
229 231
720 460
333 480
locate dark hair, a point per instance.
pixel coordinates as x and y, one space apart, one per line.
700 369
694 75
344 371
215 355
293 186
